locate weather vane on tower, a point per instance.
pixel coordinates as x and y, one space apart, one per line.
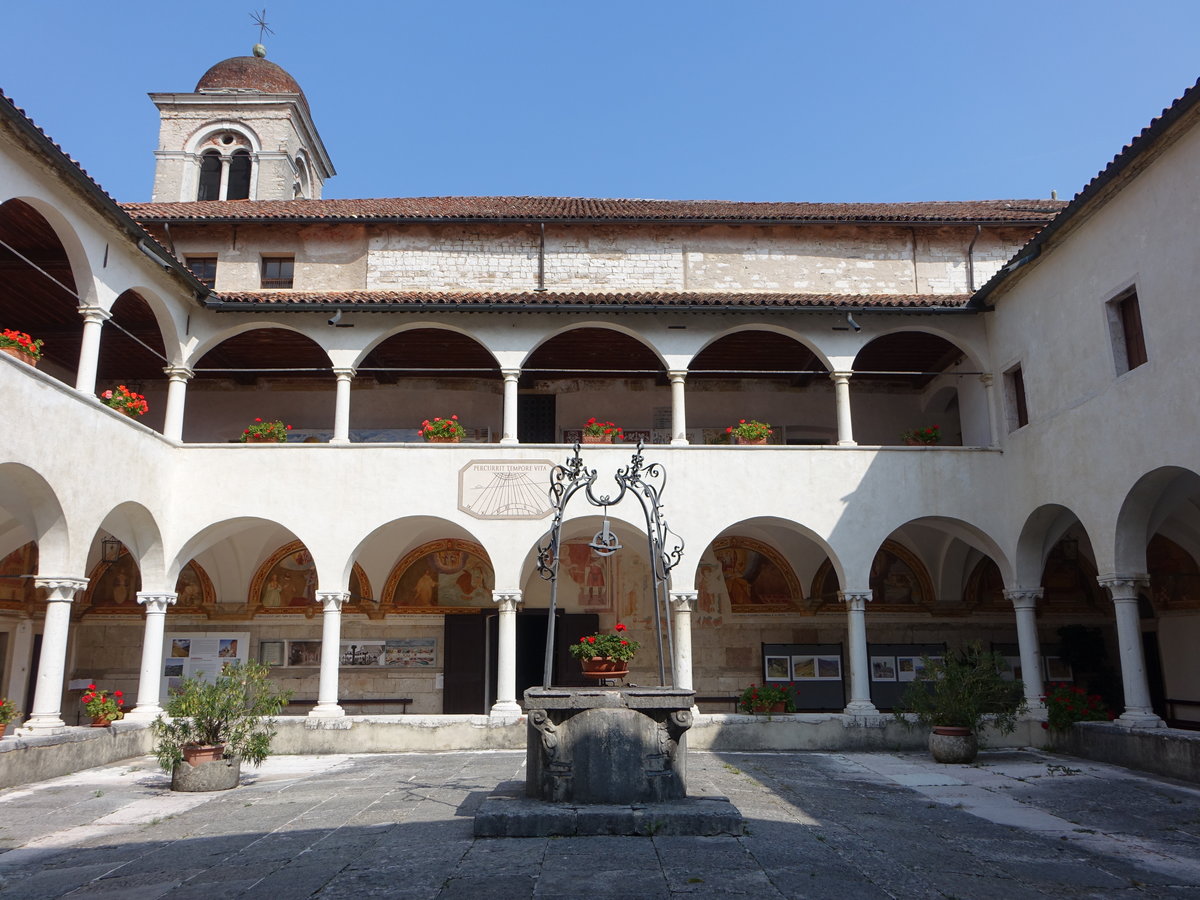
260 19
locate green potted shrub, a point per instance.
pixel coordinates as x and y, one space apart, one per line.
222 722
955 696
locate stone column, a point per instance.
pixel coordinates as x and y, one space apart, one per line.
841 393
993 405
506 657
341 411
678 407
89 348
860 670
150 680
1124 591
509 435
331 650
177 382
1025 606
223 190
47 696
684 604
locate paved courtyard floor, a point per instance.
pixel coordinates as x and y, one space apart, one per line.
834 825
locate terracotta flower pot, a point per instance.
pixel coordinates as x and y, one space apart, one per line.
443 440
751 441
194 755
262 439
102 721
603 667
27 358
597 439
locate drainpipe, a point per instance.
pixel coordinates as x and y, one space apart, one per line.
541 285
971 260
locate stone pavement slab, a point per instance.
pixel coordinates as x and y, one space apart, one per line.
819 825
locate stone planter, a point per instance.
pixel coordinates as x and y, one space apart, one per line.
28 358
952 744
219 775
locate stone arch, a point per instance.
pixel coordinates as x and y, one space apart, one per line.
599 326
212 128
799 337
1043 529
31 503
973 353
1158 496
380 552
630 532
136 528
899 581
207 344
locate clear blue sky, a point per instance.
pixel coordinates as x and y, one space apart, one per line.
836 101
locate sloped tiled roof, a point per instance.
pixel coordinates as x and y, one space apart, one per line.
577 300
1143 142
539 209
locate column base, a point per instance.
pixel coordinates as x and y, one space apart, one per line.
679 442
509 440
847 443
326 711
860 708
143 713
506 709
42 725
1139 718
339 440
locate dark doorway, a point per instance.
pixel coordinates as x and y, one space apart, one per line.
535 419
31 686
471 645
1154 674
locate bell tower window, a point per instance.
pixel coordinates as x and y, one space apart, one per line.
239 176
210 177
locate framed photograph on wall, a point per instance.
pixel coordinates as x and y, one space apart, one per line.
804 668
907 667
776 668
271 653
1058 669
883 668
829 668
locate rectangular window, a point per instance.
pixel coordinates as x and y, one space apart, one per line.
1014 394
1125 323
204 268
277 271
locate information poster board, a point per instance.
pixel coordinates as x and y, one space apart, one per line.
200 655
893 666
815 671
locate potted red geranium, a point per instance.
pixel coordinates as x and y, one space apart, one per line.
103 706
597 432
20 345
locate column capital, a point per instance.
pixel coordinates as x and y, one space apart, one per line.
94 313
1123 586
987 379
179 373
507 600
62 589
677 375
510 374
685 601
855 599
1024 598
345 373
840 377
331 601
156 601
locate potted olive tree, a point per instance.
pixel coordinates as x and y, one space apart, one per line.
211 727
953 697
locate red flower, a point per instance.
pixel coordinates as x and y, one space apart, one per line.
729 430
288 427
1046 725
118 694
454 417
620 626
91 687
258 420
624 643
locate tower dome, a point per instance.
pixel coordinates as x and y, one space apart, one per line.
248 73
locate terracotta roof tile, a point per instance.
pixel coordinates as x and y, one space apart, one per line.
630 300
1016 212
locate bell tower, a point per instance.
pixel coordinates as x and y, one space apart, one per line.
244 133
